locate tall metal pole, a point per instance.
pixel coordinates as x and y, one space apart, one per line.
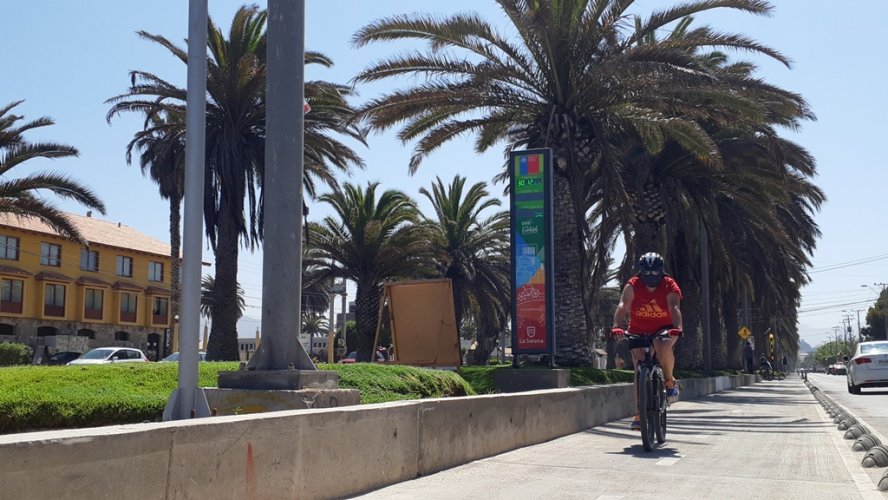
704 277
182 403
331 328
282 190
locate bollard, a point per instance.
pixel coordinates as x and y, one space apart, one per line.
865 442
846 423
877 456
883 482
855 431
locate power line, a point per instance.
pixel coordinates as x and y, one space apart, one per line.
850 263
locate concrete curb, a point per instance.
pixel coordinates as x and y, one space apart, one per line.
316 453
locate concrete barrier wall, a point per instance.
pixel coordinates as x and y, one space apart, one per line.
322 453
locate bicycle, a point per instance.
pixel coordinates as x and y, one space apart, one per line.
650 389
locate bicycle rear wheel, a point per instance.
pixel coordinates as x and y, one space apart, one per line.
647 413
660 404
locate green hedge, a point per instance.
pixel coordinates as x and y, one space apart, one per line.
12 354
55 397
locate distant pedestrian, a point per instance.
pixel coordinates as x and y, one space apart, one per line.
749 357
785 364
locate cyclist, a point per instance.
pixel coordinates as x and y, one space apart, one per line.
651 302
765 366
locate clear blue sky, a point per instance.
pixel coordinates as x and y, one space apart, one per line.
66 57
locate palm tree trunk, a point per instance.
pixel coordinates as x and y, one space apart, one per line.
175 262
366 318
574 339
223 332
733 349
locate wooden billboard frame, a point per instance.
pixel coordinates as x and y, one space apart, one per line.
423 323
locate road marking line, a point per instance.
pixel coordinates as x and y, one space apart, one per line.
667 461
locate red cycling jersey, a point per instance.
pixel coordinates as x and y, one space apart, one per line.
649 312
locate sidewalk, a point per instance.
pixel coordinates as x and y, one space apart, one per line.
770 441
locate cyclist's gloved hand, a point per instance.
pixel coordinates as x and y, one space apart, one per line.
674 332
617 333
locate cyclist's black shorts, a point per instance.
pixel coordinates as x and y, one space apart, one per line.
639 343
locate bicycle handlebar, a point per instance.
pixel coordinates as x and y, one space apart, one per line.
620 334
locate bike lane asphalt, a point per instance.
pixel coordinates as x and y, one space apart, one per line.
769 440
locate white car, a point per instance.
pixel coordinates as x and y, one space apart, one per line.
175 357
868 367
105 355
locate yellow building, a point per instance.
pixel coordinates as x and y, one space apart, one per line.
65 296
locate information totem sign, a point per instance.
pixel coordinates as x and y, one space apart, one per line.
533 320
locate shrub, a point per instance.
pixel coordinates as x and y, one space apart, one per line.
14 354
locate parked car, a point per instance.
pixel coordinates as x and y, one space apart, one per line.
868 367
175 356
104 355
352 357
62 358
836 369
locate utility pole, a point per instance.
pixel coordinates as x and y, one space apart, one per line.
836 332
846 325
883 285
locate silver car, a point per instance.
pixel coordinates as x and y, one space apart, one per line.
104 355
868 367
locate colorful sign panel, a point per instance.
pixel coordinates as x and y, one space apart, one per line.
531 232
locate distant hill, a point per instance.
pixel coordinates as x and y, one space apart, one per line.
804 347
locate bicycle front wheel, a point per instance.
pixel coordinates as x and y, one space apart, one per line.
660 404
647 412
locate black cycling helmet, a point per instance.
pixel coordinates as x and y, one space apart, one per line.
650 269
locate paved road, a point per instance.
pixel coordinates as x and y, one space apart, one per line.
769 441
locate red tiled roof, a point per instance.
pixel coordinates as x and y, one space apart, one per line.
112 234
126 285
87 280
52 276
14 271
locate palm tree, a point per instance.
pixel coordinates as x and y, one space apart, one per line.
473 253
577 80
161 149
208 296
235 145
313 325
370 240
21 196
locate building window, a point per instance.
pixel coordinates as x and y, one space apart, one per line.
155 271
47 331
160 311
128 303
124 266
50 254
7 329
9 248
54 300
11 296
121 336
89 260
85 332
93 302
